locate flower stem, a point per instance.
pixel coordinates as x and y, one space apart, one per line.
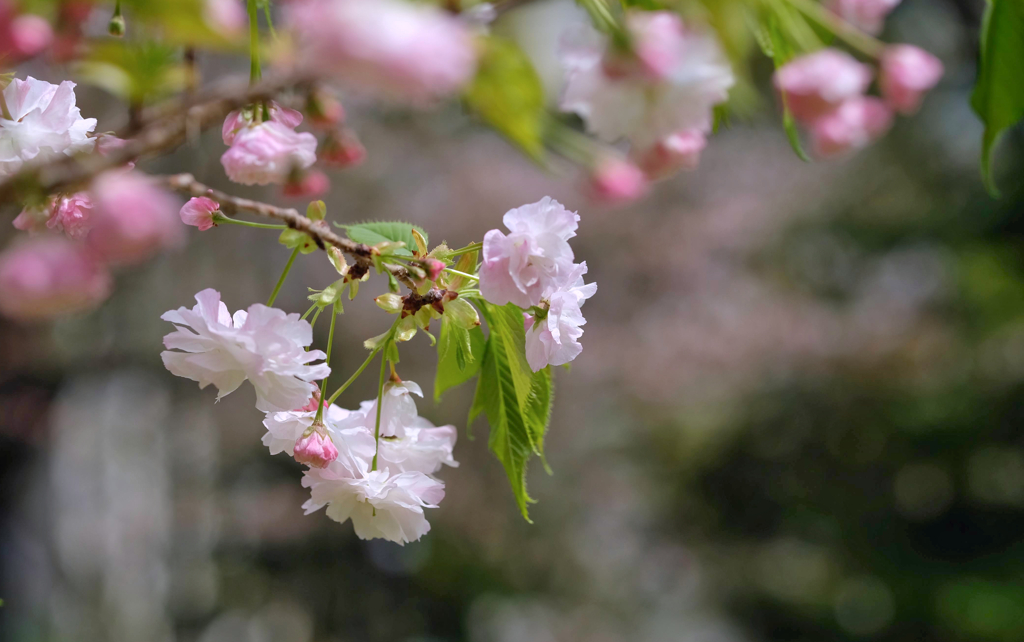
330 342
284 275
254 43
380 388
472 247
462 274
354 376
220 218
870 47
311 308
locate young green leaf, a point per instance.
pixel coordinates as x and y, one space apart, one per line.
508 95
998 97
459 354
292 239
376 232
781 52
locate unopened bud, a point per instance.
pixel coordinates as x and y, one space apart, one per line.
616 181
116 26
434 268
306 184
343 149
314 401
315 447
390 303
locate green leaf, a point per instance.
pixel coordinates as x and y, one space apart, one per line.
459 354
999 93
292 239
516 401
376 232
508 95
781 52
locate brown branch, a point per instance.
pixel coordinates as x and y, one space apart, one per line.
319 231
163 129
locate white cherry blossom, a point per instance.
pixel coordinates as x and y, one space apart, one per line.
44 124
554 340
264 345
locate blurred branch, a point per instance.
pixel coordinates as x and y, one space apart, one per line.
319 231
162 129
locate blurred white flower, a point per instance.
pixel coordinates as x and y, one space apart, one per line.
553 340
264 345
44 123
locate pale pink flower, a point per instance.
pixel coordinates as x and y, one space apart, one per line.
816 84
380 504
554 340
398 411
308 184
45 124
285 428
240 119
399 50
315 449
533 259
264 345
683 74
133 217
48 277
199 212
424 449
268 153
617 181
856 123
226 16
72 215
678 151
27 36
868 15
907 73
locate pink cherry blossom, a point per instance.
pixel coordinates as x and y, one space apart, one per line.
28 35
816 84
199 212
678 151
133 218
398 411
33 218
617 181
907 73
414 53
239 119
856 123
309 184
343 149
45 124
554 340
677 77
315 449
268 153
48 277
226 16
262 345
868 15
533 259
72 215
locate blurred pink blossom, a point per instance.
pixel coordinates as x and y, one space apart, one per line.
856 123
72 215
907 73
226 16
678 151
50 276
617 181
868 15
267 153
308 184
133 218
816 84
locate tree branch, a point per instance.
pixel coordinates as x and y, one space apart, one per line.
164 128
319 231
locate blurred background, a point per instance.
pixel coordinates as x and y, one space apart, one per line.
797 417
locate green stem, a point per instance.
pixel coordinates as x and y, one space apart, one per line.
311 308
380 399
330 342
355 375
284 275
853 36
254 43
312 324
220 218
472 247
462 274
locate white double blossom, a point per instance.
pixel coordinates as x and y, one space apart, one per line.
554 339
264 345
42 123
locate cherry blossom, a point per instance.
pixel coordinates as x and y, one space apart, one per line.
398 411
264 345
267 152
22 36
907 74
853 125
199 212
48 277
868 15
615 181
683 75
531 262
554 338
226 16
132 217
72 215
425 448
678 151
44 124
816 84
399 50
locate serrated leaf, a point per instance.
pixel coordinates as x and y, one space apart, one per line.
376 232
515 400
998 96
459 353
508 95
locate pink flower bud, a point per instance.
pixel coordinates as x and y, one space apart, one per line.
616 181
856 123
107 144
324 110
314 401
199 212
315 449
343 149
657 41
868 15
434 268
29 35
72 215
816 84
308 184
907 73
134 218
50 276
679 151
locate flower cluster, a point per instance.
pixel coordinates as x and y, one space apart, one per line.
265 150
657 91
533 267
